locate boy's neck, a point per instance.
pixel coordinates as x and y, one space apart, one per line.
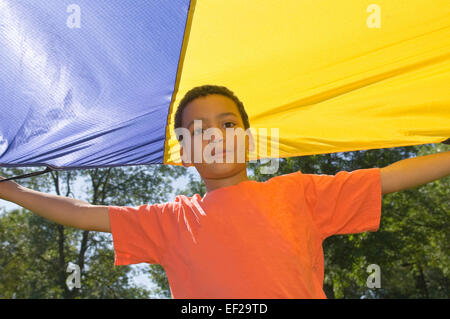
212 184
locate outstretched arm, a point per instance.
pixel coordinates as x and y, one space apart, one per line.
62 210
416 171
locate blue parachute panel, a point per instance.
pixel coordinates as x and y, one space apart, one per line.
87 85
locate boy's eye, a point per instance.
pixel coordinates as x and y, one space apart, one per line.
226 124
232 124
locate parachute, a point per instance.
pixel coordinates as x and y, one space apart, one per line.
97 83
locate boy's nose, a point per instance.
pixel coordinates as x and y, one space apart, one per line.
217 139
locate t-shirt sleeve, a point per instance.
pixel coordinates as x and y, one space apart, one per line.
345 203
140 233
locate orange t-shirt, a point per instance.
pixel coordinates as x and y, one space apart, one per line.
250 240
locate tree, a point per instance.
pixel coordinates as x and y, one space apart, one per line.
411 246
36 252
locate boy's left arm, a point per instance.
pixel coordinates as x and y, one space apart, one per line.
416 171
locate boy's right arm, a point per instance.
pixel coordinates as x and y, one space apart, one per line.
62 210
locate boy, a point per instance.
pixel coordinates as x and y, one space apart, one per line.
243 239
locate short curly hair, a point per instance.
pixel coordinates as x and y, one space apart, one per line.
206 90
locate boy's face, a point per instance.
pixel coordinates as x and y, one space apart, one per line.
215 111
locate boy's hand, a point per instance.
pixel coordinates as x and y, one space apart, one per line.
5 186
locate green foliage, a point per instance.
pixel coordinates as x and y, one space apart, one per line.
159 277
412 245
30 262
35 252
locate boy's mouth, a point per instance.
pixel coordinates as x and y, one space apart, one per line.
213 153
223 153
